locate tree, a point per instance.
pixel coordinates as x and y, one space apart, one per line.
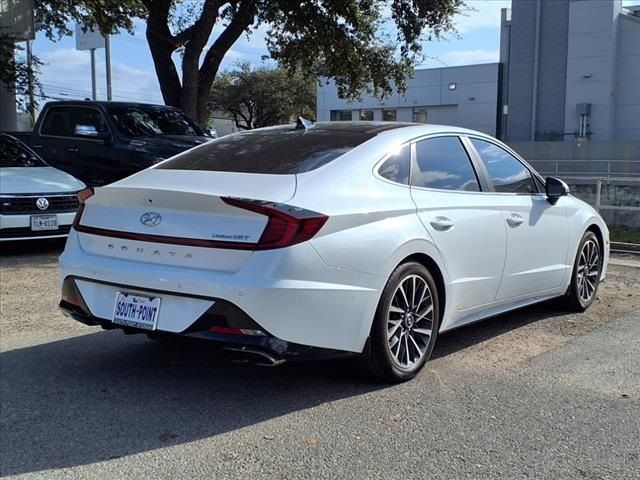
18 76
264 96
347 40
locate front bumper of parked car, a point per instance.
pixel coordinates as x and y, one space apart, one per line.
18 227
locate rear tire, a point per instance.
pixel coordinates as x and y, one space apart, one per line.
585 279
405 325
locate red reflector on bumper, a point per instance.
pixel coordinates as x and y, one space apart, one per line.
236 331
226 330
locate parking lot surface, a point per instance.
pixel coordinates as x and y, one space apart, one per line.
536 393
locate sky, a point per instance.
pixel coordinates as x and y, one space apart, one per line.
66 73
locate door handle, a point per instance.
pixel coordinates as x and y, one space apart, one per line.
515 220
442 224
36 146
72 149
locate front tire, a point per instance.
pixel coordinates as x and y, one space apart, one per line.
405 325
586 274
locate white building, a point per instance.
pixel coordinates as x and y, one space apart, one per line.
465 96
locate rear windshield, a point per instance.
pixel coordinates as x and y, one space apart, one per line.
14 154
282 150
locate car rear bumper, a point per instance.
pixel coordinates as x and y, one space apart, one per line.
291 294
218 324
18 227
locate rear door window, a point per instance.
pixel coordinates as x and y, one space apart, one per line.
507 173
443 163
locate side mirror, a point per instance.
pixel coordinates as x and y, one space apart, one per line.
555 189
89 131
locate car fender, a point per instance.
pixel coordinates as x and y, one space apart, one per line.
580 216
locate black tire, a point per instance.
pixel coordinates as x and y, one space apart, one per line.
378 359
582 292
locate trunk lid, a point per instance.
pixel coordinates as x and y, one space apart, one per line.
178 217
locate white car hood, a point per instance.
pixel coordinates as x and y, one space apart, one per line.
37 180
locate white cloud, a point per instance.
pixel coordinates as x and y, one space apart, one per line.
480 14
466 57
67 74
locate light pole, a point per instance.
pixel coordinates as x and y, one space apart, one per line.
107 57
94 93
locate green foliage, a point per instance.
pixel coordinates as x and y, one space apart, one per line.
264 96
625 234
15 74
53 16
348 41
361 44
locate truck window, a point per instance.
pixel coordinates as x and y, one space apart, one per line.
61 121
152 120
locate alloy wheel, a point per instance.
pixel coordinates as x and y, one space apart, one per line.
410 321
588 270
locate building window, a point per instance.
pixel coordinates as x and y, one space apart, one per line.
452 86
389 115
366 115
340 115
420 115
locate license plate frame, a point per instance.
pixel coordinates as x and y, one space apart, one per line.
136 310
43 223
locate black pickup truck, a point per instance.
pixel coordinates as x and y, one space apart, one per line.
101 142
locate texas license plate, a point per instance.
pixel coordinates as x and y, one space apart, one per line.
136 311
44 222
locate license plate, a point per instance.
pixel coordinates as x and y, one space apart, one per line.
136 311
44 222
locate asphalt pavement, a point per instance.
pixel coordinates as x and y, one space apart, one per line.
538 393
108 406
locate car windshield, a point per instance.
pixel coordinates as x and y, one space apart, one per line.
14 154
146 121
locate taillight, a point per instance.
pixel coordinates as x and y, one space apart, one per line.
83 196
286 225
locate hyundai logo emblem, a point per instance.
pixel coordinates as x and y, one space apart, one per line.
150 219
42 203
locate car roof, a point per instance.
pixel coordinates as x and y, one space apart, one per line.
374 128
105 104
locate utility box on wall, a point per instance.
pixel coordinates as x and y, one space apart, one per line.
583 108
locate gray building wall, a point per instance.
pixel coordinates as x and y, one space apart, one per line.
627 87
591 64
521 55
552 71
568 52
472 104
544 63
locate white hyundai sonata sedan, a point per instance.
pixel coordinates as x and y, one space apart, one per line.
341 238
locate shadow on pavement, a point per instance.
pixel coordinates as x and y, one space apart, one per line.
461 338
31 252
106 395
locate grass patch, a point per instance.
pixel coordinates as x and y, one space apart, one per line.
627 235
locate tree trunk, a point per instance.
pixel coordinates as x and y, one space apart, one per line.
162 46
192 95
